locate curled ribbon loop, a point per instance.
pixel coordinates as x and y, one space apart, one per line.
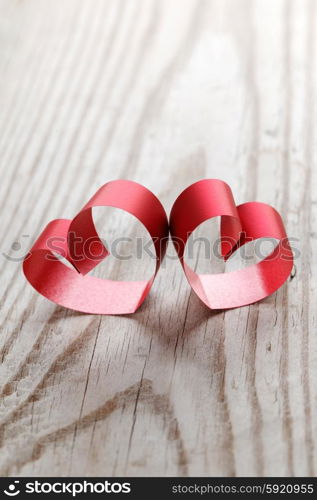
239 224
72 288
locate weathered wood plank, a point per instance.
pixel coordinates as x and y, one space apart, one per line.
164 93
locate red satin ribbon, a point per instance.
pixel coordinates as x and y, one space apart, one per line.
210 198
203 200
72 288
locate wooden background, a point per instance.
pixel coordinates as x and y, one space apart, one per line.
164 92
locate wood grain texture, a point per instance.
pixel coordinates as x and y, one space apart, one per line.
164 92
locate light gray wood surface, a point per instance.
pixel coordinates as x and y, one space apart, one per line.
164 92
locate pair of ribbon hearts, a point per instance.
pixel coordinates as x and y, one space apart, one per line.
201 201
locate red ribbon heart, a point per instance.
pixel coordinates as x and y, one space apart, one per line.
203 200
72 288
239 224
